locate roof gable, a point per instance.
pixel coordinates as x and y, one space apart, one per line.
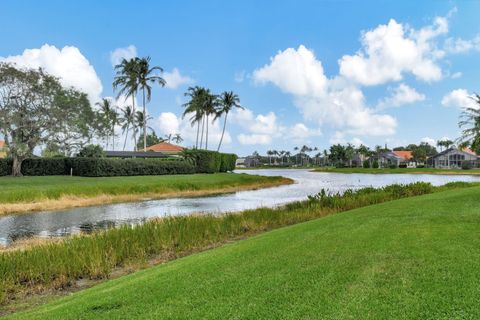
406 155
165 147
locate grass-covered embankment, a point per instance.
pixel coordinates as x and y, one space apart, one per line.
399 170
59 192
58 265
415 258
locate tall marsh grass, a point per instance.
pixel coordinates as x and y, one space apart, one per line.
58 265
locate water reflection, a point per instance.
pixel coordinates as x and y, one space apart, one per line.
61 223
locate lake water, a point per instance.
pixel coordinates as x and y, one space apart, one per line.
65 222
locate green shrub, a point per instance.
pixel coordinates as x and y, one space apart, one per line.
228 162
103 167
375 164
45 167
393 166
467 165
37 167
366 164
402 165
206 161
91 151
5 167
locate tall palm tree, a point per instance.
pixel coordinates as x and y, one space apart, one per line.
141 124
470 123
106 114
168 137
194 106
210 104
227 101
127 82
146 78
126 121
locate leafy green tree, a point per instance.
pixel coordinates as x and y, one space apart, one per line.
227 101
152 139
470 125
444 144
147 77
91 151
52 150
337 154
35 109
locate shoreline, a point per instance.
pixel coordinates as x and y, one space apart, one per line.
70 201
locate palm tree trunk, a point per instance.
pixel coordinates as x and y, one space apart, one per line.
144 123
198 131
223 131
126 136
134 125
113 137
203 126
206 136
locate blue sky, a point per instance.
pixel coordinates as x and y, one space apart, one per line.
308 72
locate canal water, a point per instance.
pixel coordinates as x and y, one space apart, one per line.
71 221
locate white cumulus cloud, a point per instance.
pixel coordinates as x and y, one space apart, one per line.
389 51
403 94
174 79
458 98
336 101
68 64
118 54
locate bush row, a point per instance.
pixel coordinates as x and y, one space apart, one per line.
102 167
196 161
211 161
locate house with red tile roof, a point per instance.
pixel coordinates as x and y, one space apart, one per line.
166 147
406 155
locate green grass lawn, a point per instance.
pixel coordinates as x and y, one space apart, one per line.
25 189
398 170
414 258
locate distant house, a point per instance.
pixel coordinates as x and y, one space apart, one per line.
166 147
389 158
407 158
452 158
3 149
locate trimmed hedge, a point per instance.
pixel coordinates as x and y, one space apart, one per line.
196 161
228 162
37 167
206 161
102 167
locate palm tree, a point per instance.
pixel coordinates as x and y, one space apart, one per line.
177 138
126 121
194 106
146 77
227 101
470 123
126 80
210 104
106 114
168 137
141 122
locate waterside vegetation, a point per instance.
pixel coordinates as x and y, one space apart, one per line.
59 265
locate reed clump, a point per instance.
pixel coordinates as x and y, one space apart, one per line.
59 264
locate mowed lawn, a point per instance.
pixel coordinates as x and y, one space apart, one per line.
399 170
24 189
415 258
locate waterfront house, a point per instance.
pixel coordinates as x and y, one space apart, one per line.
407 158
389 158
452 158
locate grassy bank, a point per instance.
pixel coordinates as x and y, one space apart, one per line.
399 170
59 192
59 265
415 258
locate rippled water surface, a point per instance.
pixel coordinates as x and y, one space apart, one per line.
60 223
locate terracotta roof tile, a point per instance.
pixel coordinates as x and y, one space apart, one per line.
407 155
165 147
